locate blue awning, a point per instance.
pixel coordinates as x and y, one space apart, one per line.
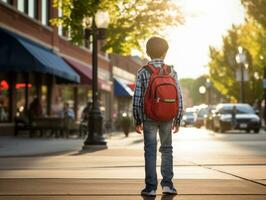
121 89
19 54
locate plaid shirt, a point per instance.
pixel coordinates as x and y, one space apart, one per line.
142 83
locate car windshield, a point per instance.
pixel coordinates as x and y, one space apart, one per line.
240 109
202 112
189 114
245 109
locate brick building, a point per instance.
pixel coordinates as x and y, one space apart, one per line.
26 24
124 75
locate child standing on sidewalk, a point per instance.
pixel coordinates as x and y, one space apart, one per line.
157 107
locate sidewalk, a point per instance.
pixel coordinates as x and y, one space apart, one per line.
117 172
24 146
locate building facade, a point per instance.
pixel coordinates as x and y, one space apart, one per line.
28 21
124 75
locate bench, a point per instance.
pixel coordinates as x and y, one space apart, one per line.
47 125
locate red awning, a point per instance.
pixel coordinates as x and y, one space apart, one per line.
84 71
132 86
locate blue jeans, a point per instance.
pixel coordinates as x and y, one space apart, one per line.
166 149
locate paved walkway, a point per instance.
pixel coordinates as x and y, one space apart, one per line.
117 172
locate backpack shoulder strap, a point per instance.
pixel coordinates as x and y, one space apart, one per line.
150 68
167 68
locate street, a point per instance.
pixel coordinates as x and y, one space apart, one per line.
207 165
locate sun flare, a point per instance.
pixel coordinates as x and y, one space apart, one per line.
206 22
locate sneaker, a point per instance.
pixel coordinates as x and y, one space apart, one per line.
146 192
169 191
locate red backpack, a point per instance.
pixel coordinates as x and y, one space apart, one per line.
161 97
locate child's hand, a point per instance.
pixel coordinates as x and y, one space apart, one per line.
139 128
175 128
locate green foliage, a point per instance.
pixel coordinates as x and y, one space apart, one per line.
252 37
125 123
191 87
131 21
222 65
256 9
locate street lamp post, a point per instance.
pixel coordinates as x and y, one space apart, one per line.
202 91
241 61
96 27
208 85
264 88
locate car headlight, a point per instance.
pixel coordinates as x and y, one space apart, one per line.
255 119
225 119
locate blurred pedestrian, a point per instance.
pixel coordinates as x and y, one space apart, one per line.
67 111
86 112
3 115
233 114
35 108
167 93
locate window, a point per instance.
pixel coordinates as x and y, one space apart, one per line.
7 1
45 12
4 100
32 8
21 5
60 28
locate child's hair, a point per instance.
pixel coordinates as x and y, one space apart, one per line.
156 47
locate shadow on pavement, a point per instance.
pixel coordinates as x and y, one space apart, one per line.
137 141
92 149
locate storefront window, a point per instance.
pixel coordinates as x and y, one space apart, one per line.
21 89
62 94
44 99
84 96
21 93
4 102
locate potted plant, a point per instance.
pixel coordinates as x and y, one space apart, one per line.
125 124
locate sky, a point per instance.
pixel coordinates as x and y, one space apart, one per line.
206 22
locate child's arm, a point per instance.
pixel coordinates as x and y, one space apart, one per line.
138 102
178 118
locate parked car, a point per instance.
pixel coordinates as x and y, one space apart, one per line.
199 116
188 118
208 117
235 117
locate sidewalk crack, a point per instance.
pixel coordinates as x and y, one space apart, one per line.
228 173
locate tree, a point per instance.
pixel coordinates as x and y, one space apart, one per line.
131 21
257 10
190 88
222 65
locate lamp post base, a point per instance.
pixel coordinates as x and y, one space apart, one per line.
93 147
95 136
95 142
